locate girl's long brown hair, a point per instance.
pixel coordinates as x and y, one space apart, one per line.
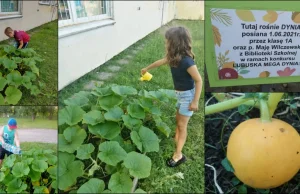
179 44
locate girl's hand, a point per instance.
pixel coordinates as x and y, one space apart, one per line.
143 71
193 106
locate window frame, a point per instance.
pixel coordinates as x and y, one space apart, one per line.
76 20
9 14
50 2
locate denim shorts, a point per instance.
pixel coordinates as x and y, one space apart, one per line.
184 99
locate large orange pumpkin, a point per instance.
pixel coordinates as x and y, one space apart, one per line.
264 154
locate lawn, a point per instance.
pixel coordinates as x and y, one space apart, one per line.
27 123
44 41
44 146
161 178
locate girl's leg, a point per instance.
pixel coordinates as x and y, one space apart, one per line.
177 131
182 122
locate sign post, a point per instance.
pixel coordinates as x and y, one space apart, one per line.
250 43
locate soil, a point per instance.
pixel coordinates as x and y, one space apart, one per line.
214 155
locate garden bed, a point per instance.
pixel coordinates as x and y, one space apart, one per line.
215 152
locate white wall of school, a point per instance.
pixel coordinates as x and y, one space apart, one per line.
83 52
33 15
190 10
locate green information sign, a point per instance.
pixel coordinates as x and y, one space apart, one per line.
252 42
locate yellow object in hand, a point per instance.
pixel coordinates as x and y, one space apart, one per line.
146 77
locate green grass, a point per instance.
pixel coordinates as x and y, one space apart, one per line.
25 146
44 41
27 123
161 179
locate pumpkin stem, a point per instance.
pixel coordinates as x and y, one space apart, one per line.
274 99
264 111
225 105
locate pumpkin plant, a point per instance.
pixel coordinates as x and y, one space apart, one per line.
105 136
35 171
262 152
18 68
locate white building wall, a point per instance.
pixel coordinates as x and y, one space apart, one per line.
83 52
33 14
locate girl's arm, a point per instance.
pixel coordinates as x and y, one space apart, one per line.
154 65
1 135
17 141
193 71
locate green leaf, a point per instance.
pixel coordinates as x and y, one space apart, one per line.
9 161
9 49
169 93
126 145
124 90
78 100
108 102
32 64
108 130
39 165
131 123
111 153
114 114
146 103
20 169
16 186
136 140
235 181
162 126
111 169
136 111
14 78
68 170
93 117
244 71
27 82
139 165
242 189
34 175
227 165
120 183
92 186
17 59
2 176
51 159
13 95
149 140
70 115
106 91
31 75
84 151
3 83
159 96
34 90
52 170
71 139
9 64
40 189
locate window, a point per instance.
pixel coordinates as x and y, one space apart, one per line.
47 2
79 11
10 7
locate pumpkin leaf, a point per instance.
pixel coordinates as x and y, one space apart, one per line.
13 95
227 165
92 186
70 115
120 183
114 114
124 90
136 111
108 130
242 189
139 165
111 153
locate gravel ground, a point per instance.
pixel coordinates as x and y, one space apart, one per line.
38 135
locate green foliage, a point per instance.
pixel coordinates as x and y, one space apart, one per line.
27 173
18 69
110 138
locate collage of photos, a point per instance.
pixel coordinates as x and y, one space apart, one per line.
104 96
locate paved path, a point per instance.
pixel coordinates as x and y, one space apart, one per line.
38 135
